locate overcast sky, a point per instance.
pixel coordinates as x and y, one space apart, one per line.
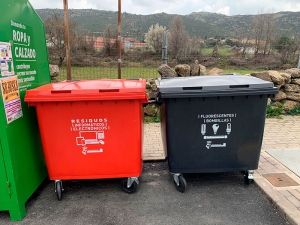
182 7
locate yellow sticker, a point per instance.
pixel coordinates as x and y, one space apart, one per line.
10 89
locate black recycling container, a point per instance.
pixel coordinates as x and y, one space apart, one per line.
213 123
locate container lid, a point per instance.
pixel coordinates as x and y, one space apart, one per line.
103 89
215 85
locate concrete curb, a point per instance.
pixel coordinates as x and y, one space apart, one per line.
284 207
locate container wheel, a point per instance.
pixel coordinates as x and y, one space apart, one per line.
58 190
182 184
129 190
246 178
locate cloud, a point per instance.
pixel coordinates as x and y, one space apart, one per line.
208 8
79 4
225 10
157 11
292 7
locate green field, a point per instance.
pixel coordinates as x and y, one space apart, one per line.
89 73
241 72
223 51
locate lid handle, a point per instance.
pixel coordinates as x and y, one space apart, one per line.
109 90
60 91
239 86
192 88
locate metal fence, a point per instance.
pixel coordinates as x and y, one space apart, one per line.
99 60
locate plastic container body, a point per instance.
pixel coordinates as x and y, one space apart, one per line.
213 123
91 129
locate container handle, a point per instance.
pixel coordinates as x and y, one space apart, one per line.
60 91
192 88
150 102
109 90
239 86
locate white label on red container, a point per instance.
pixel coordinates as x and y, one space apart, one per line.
91 134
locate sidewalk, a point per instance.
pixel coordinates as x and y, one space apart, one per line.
280 134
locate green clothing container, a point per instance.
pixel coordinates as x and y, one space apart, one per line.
24 66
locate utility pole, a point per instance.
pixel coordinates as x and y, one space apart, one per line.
165 48
119 40
67 40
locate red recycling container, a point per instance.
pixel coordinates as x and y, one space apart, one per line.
91 129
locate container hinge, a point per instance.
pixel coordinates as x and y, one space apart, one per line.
8 188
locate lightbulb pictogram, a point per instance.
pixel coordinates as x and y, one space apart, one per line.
215 128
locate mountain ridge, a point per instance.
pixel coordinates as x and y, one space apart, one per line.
197 24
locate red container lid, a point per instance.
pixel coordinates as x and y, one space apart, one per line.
104 89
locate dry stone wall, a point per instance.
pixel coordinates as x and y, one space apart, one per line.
288 83
54 72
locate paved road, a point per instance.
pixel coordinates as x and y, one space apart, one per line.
221 198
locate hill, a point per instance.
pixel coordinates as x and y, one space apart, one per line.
200 24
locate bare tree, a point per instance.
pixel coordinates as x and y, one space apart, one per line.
244 34
110 36
55 35
263 28
258 31
270 32
178 38
82 42
193 47
154 37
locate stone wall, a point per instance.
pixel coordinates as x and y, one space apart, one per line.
288 83
54 72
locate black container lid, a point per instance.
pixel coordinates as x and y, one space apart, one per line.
213 85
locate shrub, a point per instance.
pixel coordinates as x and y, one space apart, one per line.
294 111
237 61
274 110
267 62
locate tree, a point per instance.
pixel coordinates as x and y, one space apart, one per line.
244 33
110 40
216 48
287 47
55 32
263 28
55 35
270 32
258 30
154 37
178 38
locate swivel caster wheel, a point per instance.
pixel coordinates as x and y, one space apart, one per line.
58 189
248 177
129 185
179 182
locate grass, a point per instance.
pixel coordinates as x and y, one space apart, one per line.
91 72
82 73
274 110
149 119
223 51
